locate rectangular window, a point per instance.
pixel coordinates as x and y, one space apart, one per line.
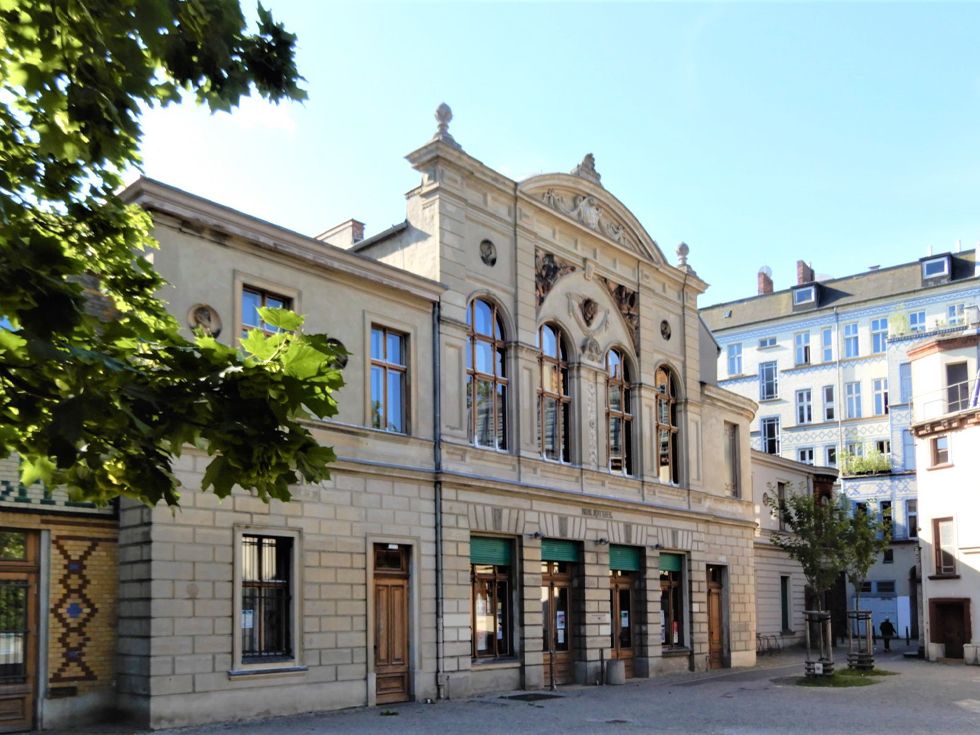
781 504
855 449
491 600
735 359
908 450
912 518
252 300
905 382
671 600
732 460
879 389
389 373
804 407
805 455
888 556
886 587
852 397
940 450
851 340
784 603
879 335
265 624
802 343
829 410
827 344
956 315
943 538
917 321
883 446
957 387
770 434
935 268
886 516
767 342
768 381
865 586
806 295
831 456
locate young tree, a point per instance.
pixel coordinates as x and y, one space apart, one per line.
814 535
866 537
98 389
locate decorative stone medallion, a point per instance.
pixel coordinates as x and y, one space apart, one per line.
665 329
204 317
488 253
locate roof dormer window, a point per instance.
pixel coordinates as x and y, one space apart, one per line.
935 268
805 295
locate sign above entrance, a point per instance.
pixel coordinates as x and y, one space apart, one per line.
593 513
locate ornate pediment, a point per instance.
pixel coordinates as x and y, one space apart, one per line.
589 211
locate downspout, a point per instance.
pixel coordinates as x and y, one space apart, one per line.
687 399
437 473
839 402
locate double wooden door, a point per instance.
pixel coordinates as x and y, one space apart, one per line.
391 623
18 629
556 606
621 599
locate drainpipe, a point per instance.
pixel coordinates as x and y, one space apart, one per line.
687 399
437 485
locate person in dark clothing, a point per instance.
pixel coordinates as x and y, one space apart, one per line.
887 632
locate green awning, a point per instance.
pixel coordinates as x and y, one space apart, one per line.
553 549
487 550
671 562
624 558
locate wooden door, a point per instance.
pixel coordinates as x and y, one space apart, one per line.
621 604
18 629
716 634
953 627
556 606
391 623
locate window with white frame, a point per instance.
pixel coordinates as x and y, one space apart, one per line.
852 398
917 321
879 335
768 381
879 390
886 516
855 449
804 407
805 295
805 455
851 348
830 456
944 541
827 344
267 585
802 343
935 268
767 342
769 428
912 518
883 446
956 315
829 404
735 359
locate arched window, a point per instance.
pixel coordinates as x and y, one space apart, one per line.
668 467
553 398
619 412
486 378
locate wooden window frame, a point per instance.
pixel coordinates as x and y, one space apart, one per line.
666 394
499 382
500 574
672 587
733 458
559 364
943 570
287 631
264 295
388 367
940 457
619 379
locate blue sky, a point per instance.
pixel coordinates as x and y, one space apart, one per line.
846 135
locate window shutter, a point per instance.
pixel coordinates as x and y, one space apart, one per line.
624 558
559 550
670 562
485 550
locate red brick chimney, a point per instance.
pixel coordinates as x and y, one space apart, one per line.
765 280
804 273
345 235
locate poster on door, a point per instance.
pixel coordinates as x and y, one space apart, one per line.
624 619
560 625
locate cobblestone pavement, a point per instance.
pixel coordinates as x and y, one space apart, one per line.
924 698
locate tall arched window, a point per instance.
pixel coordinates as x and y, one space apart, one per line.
553 398
668 467
486 377
619 412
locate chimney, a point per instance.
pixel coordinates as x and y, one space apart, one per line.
765 280
345 235
804 273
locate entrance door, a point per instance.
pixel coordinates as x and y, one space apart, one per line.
621 604
556 591
716 634
391 623
952 626
18 629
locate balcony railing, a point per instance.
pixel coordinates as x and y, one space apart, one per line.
951 399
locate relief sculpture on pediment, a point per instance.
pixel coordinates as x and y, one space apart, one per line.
586 209
548 268
627 300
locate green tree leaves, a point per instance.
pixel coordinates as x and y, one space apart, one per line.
98 389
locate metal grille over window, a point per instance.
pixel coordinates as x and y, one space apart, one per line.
619 394
266 598
553 398
486 377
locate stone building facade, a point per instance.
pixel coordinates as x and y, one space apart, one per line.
539 481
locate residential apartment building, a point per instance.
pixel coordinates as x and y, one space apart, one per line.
946 425
537 471
828 363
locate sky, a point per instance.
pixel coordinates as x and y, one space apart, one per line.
846 135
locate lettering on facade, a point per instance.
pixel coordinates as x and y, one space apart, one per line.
593 513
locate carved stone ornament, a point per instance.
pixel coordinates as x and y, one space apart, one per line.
586 209
548 269
628 302
588 314
204 317
444 116
589 310
665 330
586 170
488 253
591 348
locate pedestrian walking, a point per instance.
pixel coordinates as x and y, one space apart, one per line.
887 632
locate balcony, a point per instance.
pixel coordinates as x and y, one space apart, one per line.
953 398
873 463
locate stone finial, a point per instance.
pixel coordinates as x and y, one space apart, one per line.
444 115
586 170
682 252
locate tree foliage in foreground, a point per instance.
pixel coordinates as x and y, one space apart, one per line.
98 389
